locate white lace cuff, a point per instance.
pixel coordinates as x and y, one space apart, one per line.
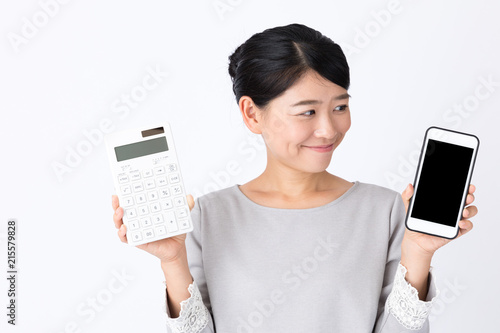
404 304
193 316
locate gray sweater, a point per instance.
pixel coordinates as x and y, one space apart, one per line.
325 269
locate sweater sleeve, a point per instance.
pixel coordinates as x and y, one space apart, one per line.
400 309
195 315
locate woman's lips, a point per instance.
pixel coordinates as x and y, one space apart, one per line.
321 149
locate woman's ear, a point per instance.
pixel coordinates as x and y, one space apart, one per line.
252 115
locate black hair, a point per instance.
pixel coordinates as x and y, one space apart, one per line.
269 62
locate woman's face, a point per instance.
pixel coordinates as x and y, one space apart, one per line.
313 112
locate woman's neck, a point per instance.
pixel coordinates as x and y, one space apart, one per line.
294 183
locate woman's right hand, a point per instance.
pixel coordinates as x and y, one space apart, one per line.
167 249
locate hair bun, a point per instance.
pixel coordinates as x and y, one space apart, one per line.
234 60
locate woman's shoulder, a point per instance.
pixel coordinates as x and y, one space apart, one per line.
376 188
376 193
218 197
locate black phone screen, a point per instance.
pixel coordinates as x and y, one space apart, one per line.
442 181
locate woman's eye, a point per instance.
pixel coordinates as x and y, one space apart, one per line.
338 108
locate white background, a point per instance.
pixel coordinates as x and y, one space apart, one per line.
411 69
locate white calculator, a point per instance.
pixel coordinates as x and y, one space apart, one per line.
148 182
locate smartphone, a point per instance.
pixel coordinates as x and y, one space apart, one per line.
442 182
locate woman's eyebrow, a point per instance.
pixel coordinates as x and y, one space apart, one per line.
315 101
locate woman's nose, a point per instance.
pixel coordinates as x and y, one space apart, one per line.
325 130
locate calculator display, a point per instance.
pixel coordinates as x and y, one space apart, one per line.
142 148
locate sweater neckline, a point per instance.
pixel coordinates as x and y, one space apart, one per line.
243 197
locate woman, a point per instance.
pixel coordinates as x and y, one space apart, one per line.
297 249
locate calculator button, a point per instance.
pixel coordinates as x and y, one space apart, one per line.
161 181
138 187
131 213
181 213
128 201
170 222
150 183
172 226
136 236
176 190
184 224
172 167
135 175
149 233
123 178
126 190
147 173
164 193
140 198
155 207
160 231
174 178
133 225
179 201
152 195
146 222
157 219
167 204
143 210
159 170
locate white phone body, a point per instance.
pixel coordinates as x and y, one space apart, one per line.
149 184
442 182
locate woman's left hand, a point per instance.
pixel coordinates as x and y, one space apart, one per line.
428 243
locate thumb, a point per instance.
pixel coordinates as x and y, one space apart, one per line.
406 195
190 201
408 192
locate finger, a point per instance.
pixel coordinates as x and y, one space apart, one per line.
122 233
114 201
406 195
470 212
472 188
408 192
470 199
117 217
465 226
190 201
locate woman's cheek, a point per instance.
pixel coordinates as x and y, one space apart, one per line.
299 133
346 122
276 128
